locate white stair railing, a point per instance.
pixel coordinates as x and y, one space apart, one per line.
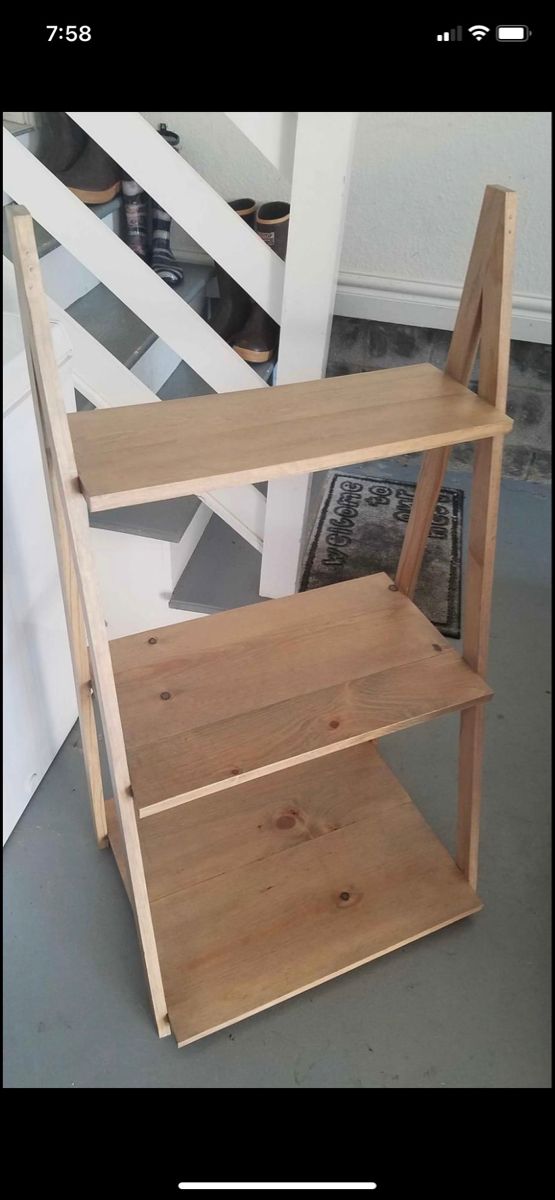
122 271
192 203
107 383
299 295
273 133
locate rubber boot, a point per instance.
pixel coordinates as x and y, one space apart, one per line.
60 140
232 308
136 214
257 342
162 258
85 168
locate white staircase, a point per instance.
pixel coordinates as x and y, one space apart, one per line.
136 340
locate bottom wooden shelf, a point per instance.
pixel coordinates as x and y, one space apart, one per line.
287 881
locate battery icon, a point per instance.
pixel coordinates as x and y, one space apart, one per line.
512 33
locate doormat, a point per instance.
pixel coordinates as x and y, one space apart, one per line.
360 528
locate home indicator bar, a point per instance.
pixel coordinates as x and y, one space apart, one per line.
453 35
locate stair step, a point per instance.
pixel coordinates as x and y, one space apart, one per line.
18 130
45 241
166 520
243 437
259 689
223 572
185 382
118 328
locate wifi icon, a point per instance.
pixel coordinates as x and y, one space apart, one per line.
478 31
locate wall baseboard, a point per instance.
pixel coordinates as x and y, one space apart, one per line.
411 302
430 305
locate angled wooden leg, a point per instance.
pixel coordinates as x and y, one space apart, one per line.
481 555
428 488
81 671
460 360
70 521
471 753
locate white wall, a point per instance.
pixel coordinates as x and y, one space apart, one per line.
416 189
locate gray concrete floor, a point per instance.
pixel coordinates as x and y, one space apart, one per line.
464 1008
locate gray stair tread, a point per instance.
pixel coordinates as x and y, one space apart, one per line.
223 572
165 520
185 382
17 130
82 404
118 328
45 241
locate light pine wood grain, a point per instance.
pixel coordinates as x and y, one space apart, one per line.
271 685
212 836
270 881
146 452
79 657
327 647
460 361
488 456
58 453
262 929
429 485
204 760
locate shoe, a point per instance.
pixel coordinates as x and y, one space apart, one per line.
136 214
60 140
85 168
171 137
162 260
233 307
258 339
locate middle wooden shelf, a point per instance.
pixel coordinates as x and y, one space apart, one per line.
212 703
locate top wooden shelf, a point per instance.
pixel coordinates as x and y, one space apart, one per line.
150 452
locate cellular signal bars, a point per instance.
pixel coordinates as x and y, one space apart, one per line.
455 35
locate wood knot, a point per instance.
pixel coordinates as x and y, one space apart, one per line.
436 647
285 822
334 724
152 641
165 695
347 898
235 771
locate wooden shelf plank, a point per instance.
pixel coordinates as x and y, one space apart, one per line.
241 694
149 452
293 880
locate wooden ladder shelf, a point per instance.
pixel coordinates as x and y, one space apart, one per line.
264 844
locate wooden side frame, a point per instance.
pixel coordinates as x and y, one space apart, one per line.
484 318
81 598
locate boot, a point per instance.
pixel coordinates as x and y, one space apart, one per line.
232 308
135 211
60 140
257 342
162 260
76 160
